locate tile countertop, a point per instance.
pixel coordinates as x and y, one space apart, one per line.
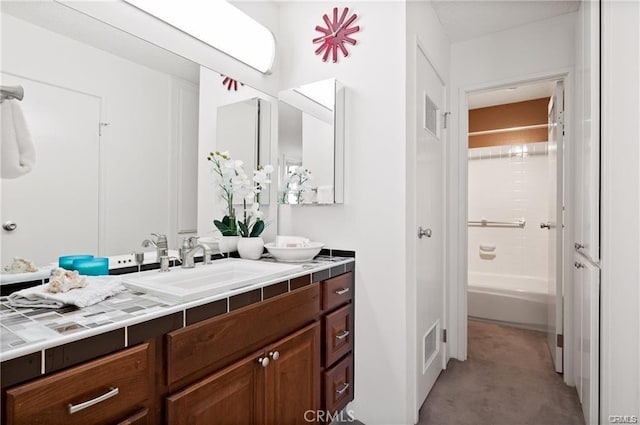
25 331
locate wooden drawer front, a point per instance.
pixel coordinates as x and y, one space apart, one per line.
122 382
207 346
338 385
141 417
337 291
338 334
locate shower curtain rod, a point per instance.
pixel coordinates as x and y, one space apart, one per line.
487 223
11 92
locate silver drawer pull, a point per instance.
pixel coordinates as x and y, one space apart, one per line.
343 335
74 408
341 390
342 291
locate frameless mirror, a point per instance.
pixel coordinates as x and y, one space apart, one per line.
311 144
115 121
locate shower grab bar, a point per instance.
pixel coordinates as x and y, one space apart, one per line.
487 223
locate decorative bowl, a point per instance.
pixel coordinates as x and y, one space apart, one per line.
294 254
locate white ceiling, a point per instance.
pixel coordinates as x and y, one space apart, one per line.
511 94
468 19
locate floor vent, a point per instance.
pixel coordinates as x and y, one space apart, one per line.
430 345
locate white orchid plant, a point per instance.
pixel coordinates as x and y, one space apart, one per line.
297 183
235 183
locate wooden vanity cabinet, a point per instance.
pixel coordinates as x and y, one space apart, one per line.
338 337
276 385
117 388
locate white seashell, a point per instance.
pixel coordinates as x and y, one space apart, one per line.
21 265
64 280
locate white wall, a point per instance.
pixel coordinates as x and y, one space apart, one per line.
515 55
504 187
369 220
620 241
135 145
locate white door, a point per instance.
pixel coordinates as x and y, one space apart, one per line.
63 217
587 284
555 225
430 217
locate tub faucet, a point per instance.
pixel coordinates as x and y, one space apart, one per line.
188 252
161 245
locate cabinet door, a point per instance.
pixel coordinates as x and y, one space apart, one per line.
293 377
235 395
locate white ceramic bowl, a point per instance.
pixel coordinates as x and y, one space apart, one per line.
294 255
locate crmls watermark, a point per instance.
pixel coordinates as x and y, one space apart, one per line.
328 417
623 419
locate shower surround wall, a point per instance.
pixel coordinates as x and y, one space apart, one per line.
509 183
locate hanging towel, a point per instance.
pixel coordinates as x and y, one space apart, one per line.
18 152
98 288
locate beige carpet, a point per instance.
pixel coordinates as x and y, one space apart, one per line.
508 378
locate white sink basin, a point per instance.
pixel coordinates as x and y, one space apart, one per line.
206 280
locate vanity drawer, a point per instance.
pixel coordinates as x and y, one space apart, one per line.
99 392
337 290
338 334
205 347
338 385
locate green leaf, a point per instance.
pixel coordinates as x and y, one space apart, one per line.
226 227
258 227
244 229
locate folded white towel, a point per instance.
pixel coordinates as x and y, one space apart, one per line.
18 152
98 288
291 242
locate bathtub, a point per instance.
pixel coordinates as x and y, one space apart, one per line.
512 300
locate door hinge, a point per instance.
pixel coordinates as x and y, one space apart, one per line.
445 119
444 335
559 341
102 124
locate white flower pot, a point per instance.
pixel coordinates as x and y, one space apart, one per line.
229 243
250 248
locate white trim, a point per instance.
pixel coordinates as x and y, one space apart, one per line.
458 299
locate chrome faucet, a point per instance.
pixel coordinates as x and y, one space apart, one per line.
161 245
188 252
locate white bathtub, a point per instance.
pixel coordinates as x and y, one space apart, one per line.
514 300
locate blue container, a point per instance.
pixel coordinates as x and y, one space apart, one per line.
98 266
66 262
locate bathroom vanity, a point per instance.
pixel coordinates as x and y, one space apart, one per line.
266 353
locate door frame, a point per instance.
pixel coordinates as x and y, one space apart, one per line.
458 294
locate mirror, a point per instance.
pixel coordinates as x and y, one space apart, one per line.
242 128
116 126
311 144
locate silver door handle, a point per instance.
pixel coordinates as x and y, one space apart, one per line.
545 225
342 291
9 226
423 232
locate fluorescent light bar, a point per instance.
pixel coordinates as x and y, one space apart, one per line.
220 25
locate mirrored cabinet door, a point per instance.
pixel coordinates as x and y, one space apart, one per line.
311 144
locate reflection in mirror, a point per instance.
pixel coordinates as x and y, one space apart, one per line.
311 143
115 124
244 129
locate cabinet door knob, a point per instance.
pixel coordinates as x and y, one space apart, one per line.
342 389
343 335
274 355
264 361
